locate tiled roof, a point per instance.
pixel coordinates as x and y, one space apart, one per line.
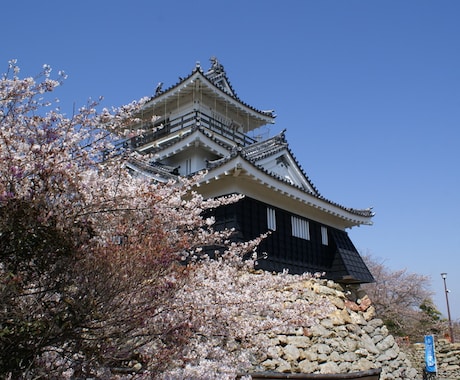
217 75
270 147
213 79
348 265
252 154
155 168
240 152
266 148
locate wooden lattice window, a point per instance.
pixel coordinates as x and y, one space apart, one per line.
324 238
271 219
300 228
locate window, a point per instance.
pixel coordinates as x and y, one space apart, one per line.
300 228
271 219
324 238
188 166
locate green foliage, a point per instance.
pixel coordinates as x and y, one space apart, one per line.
430 310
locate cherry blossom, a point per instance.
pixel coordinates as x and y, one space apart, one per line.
105 272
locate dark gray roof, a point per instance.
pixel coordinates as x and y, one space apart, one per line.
348 266
164 171
252 154
266 148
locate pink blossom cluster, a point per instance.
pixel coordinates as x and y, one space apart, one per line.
202 318
233 309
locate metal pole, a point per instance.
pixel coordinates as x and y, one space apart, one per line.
444 276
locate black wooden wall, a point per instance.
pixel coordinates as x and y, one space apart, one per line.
249 218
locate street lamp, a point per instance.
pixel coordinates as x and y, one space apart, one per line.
444 276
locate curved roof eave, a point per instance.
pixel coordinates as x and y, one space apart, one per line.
186 140
282 143
170 93
354 217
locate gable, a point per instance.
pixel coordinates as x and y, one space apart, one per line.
211 89
274 156
283 166
216 74
194 137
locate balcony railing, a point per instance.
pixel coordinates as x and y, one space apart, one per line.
189 120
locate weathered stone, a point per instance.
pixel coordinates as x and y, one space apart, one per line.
386 343
364 303
311 356
291 353
384 330
351 305
357 318
330 367
373 325
353 328
270 364
349 357
364 364
323 358
324 290
319 330
274 352
344 341
299 341
344 367
300 331
283 366
367 343
362 352
335 357
327 323
392 353
350 344
282 339
340 317
307 366
323 349
338 302
377 338
369 313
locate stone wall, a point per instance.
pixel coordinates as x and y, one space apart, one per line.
447 357
349 339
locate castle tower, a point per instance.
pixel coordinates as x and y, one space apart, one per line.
204 125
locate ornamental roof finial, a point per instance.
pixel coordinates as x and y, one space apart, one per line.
216 66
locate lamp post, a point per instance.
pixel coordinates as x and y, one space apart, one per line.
444 276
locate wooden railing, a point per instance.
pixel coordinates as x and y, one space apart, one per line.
194 118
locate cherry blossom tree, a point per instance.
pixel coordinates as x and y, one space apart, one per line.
90 255
403 300
234 310
104 272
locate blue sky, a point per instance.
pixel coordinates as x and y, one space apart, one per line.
369 92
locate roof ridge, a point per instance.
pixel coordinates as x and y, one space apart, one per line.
159 91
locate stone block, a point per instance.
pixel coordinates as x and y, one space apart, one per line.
299 341
386 344
291 353
306 366
329 367
367 343
283 366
